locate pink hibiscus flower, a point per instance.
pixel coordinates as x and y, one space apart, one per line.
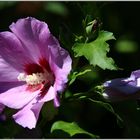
33 69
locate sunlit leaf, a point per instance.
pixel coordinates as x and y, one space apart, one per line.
71 128
96 51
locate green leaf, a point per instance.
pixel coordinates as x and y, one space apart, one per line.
76 74
70 128
96 51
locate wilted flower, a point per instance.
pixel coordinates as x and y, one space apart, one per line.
33 69
123 88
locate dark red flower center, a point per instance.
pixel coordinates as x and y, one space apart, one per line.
38 76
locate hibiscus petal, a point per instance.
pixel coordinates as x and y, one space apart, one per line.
114 94
38 40
120 89
50 95
7 72
56 102
4 86
13 52
135 74
127 86
34 34
17 97
61 74
57 53
28 116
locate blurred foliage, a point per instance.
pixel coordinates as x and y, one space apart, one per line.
4 4
126 46
78 23
56 8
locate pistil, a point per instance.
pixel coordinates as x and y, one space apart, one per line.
33 79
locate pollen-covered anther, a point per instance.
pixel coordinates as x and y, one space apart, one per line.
34 79
22 77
